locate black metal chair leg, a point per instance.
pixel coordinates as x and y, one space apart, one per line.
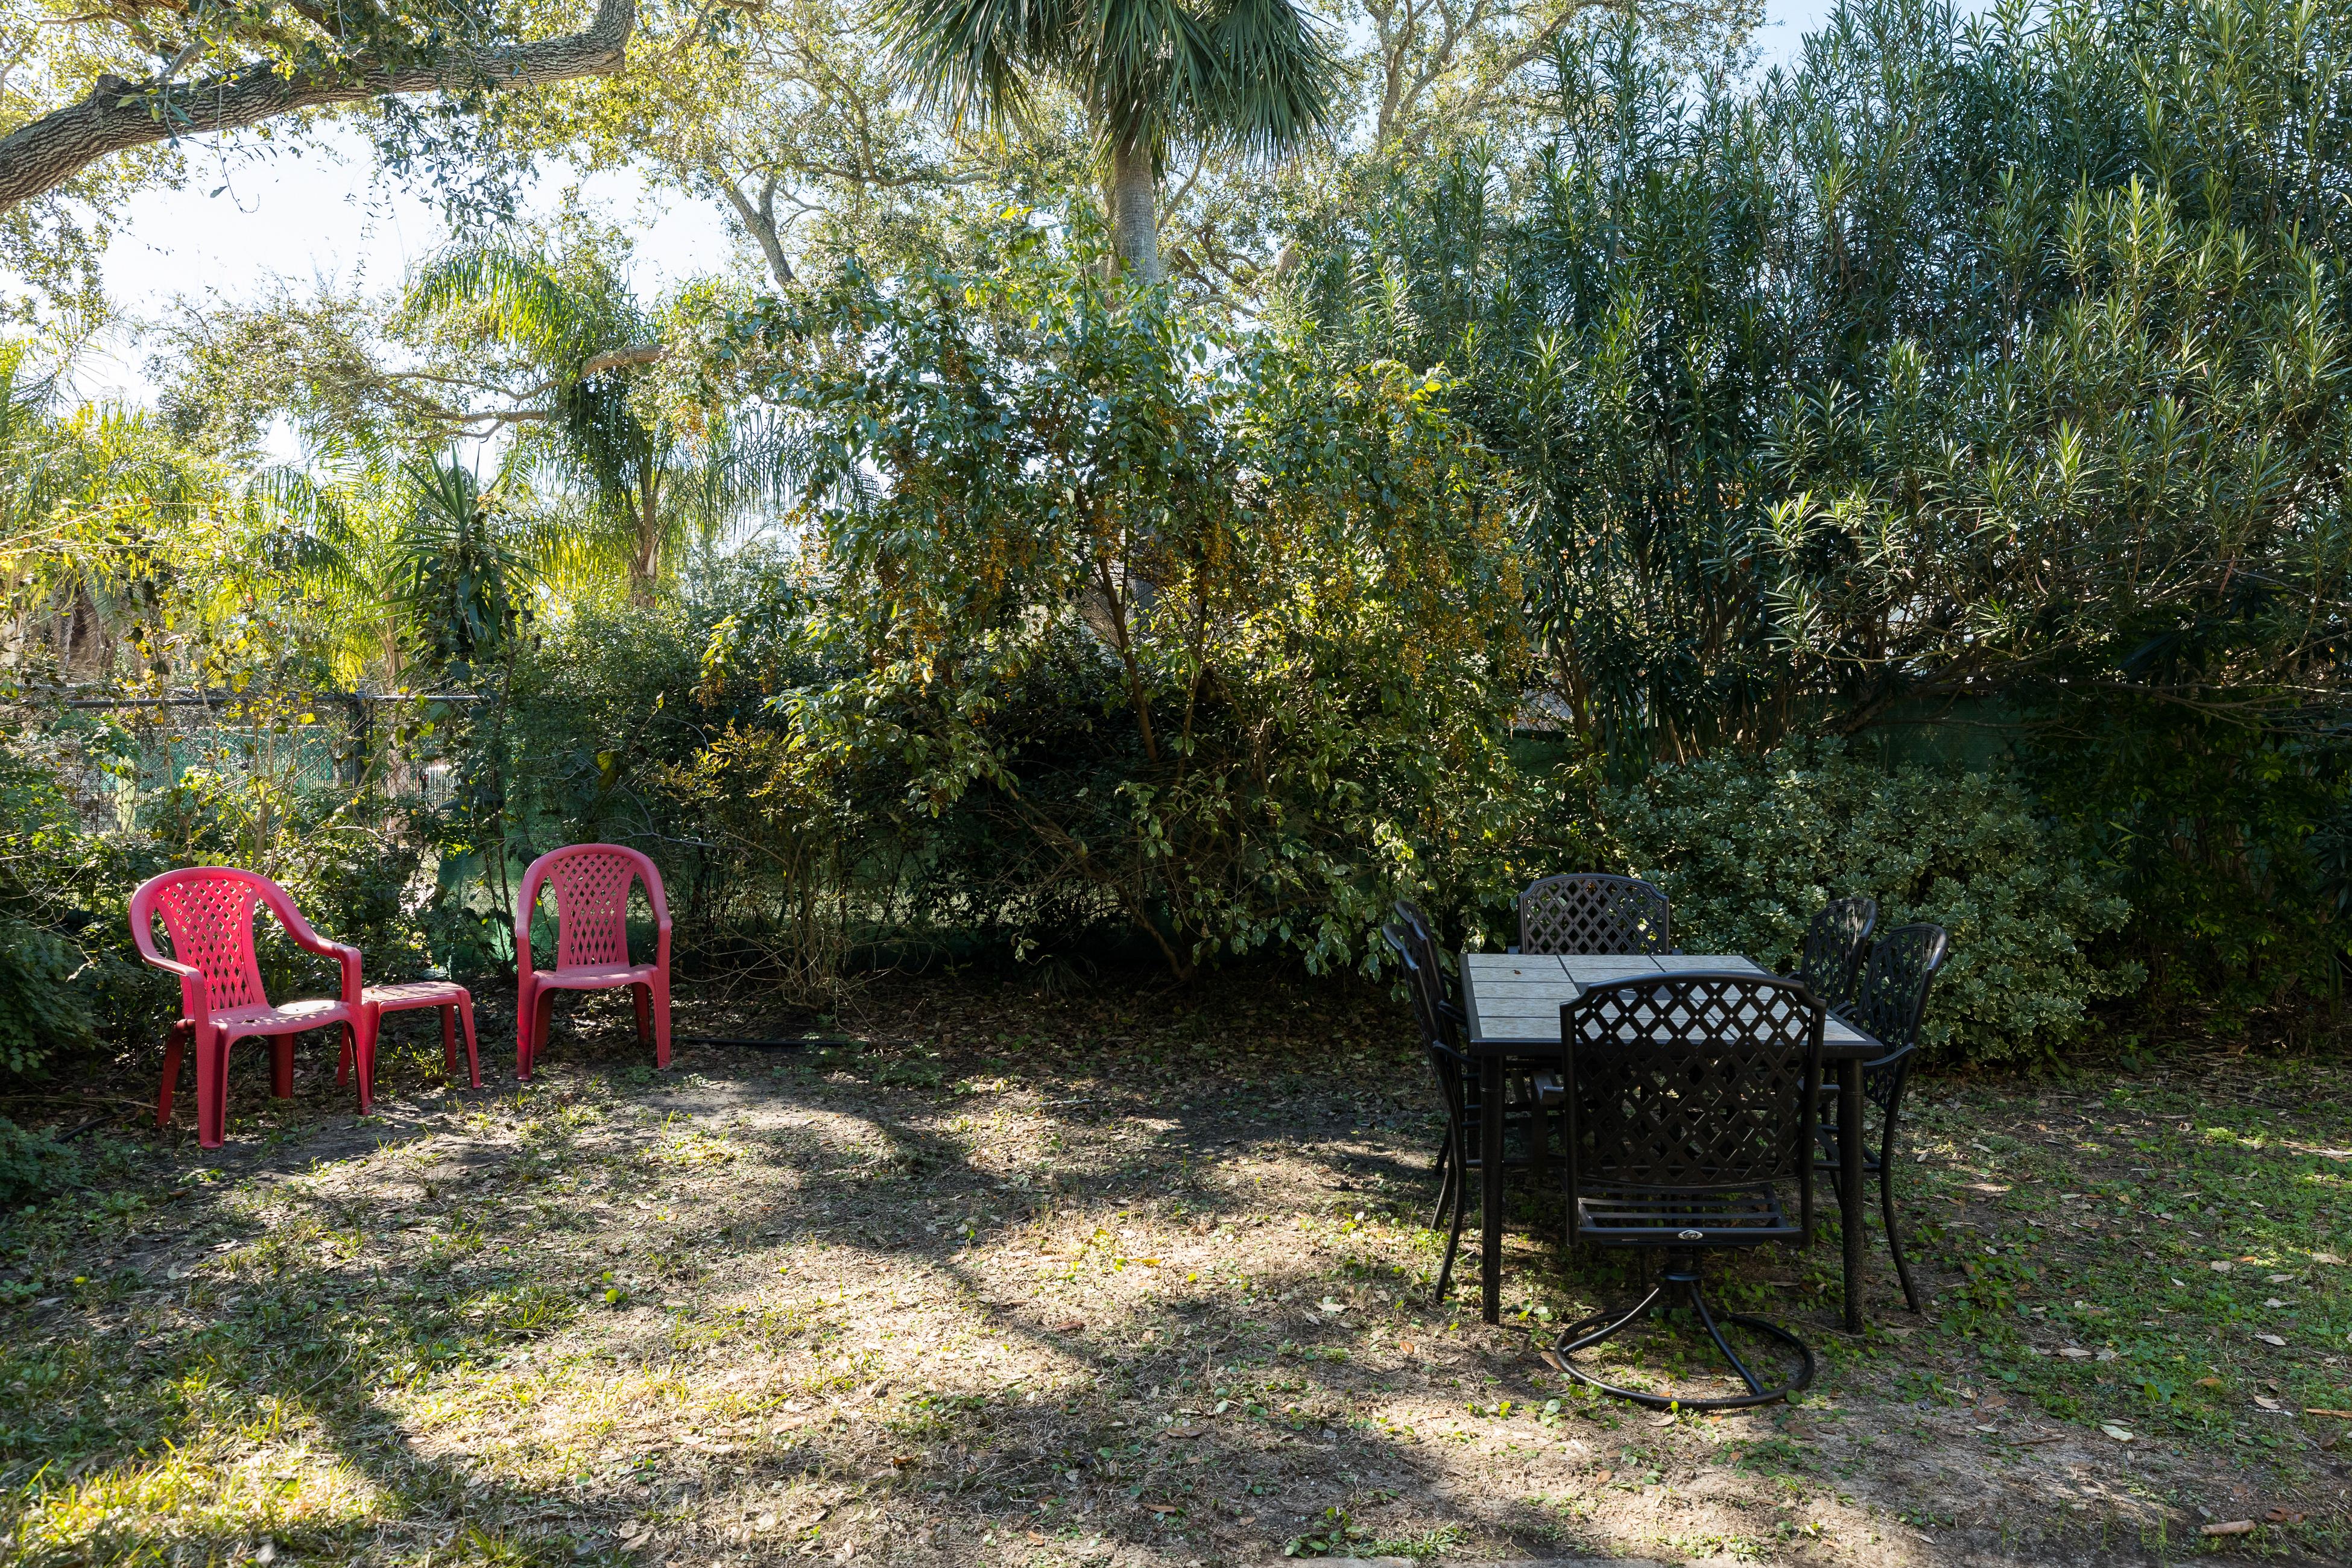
1454 1234
1698 1303
1592 1331
1446 1185
1893 1233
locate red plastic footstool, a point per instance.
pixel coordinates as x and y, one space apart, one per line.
453 1000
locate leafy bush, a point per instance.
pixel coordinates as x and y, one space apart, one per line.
1159 627
33 1166
1749 849
2229 839
41 1013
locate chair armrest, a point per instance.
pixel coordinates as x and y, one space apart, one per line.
195 999
345 955
1890 1058
348 958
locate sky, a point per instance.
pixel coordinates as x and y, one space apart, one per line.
282 217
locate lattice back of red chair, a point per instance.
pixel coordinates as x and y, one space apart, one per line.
1589 912
208 912
592 903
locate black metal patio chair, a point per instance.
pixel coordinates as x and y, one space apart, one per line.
1532 1089
1834 945
1460 1094
1690 1104
1591 912
1890 1004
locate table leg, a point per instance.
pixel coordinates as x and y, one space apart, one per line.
1490 1187
1850 1173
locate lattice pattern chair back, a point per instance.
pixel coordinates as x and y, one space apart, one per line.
1891 1001
1694 1080
1425 1017
1424 970
1587 912
208 912
1834 945
592 903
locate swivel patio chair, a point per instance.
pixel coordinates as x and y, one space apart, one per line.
208 912
1589 912
592 884
1689 1101
1834 945
1890 1004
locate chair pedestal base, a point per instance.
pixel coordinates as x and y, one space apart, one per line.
1680 1285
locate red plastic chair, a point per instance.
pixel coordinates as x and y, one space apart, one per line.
592 943
208 911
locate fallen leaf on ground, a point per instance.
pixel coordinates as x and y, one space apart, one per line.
1070 1327
2318 1410
2271 1340
2120 1434
1037 1537
1163 1508
2283 1516
2267 1403
1175 1432
2233 1527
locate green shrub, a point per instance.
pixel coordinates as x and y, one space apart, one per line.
1162 628
41 1013
33 1166
1749 848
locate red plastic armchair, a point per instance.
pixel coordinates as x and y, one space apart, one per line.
592 943
208 911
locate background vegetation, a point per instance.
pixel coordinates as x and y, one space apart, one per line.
1921 471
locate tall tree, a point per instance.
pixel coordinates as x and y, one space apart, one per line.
1254 76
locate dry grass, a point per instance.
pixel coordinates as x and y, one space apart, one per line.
1130 1275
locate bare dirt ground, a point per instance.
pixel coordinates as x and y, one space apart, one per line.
1121 1277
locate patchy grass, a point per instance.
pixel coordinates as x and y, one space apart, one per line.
1136 1275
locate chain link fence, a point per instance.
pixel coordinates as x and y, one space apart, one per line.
294 741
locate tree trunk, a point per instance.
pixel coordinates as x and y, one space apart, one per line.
758 220
1135 226
43 154
644 571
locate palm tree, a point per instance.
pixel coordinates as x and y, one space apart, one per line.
1253 75
645 485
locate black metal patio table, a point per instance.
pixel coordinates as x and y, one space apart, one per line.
1513 1002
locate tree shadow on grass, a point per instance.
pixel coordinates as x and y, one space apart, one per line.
460 1345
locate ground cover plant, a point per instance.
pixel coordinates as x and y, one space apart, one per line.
1130 1275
